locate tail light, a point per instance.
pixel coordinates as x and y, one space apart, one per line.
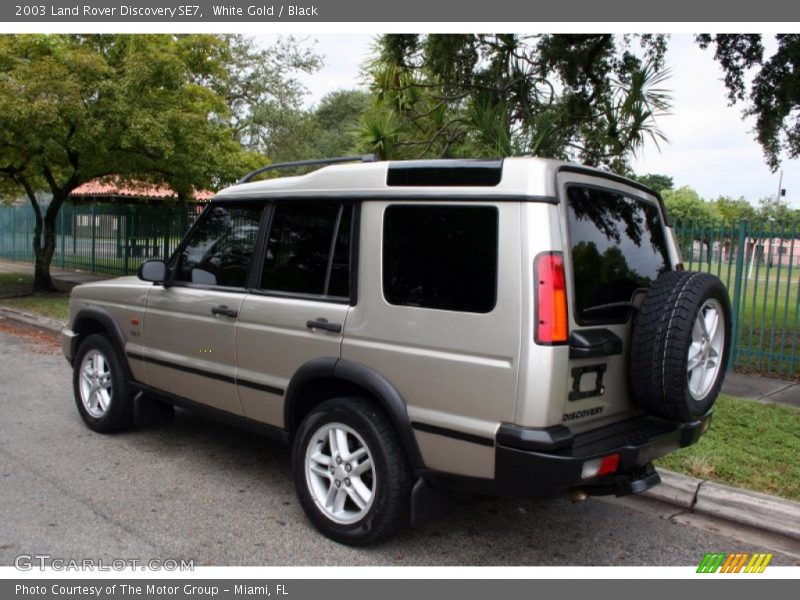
551 299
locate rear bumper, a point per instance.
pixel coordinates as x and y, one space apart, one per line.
548 463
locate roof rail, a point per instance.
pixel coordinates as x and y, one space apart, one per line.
308 163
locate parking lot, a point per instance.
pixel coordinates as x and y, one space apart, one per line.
196 489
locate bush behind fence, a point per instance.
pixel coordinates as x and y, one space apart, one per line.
758 262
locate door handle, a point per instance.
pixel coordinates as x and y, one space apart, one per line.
323 324
224 310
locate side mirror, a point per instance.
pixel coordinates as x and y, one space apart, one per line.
153 270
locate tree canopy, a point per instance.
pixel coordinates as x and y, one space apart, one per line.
590 98
655 181
328 129
773 98
155 108
685 204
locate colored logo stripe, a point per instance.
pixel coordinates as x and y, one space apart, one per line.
734 562
758 563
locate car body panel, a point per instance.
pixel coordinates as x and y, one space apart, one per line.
189 351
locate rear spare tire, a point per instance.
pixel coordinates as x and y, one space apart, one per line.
680 344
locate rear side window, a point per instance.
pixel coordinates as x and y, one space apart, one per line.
617 244
308 250
442 257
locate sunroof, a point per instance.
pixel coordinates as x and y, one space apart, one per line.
443 173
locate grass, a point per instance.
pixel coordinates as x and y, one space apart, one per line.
749 445
13 284
55 306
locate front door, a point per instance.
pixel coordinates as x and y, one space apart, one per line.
189 326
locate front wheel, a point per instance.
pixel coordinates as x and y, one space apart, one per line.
350 472
100 386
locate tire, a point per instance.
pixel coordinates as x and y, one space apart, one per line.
100 386
677 363
368 434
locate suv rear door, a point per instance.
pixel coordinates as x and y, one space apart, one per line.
615 247
438 318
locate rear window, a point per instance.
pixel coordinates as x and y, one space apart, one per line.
442 257
617 245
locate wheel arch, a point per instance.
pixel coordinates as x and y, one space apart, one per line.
325 378
94 319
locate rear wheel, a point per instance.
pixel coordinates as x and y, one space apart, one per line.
680 345
350 472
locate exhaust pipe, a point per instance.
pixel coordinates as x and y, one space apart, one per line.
577 495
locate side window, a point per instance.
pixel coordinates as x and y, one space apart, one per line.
442 257
220 249
308 251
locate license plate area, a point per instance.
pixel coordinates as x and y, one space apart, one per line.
579 386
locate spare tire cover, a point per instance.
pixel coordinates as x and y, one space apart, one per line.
680 343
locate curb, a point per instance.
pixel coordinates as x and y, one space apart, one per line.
39 321
744 507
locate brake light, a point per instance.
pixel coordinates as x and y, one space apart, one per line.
551 299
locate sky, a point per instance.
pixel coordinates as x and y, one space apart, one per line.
711 146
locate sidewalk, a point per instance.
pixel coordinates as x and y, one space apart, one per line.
762 389
65 276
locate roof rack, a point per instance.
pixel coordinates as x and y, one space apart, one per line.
308 163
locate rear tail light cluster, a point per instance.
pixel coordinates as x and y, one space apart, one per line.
600 466
551 299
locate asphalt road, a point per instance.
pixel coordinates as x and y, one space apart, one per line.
196 489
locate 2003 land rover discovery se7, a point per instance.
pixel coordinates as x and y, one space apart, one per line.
521 326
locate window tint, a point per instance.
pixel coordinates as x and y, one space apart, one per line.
442 257
617 246
302 238
220 249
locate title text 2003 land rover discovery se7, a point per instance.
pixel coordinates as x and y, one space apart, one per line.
520 326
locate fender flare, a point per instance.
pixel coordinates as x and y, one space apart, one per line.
369 379
107 322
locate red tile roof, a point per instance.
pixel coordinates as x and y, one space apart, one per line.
109 187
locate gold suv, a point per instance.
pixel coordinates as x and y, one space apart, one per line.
520 327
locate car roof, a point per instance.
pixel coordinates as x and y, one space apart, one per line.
514 178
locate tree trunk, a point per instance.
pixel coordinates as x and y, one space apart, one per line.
44 244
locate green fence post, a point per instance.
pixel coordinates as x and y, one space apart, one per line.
127 241
94 238
118 212
737 289
63 253
14 233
